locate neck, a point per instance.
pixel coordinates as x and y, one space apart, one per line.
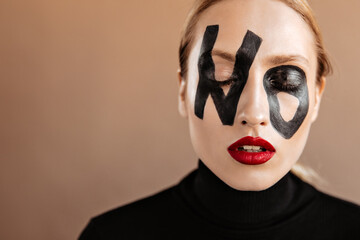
226 205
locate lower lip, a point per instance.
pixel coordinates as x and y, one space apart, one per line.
251 158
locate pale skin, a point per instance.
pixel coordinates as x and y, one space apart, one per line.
287 40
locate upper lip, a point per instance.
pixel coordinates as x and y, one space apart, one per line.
252 141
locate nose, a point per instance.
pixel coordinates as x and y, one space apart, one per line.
253 107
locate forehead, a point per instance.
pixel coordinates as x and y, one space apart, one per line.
283 30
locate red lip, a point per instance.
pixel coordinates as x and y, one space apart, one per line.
251 158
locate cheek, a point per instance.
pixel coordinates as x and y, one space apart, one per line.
288 105
207 135
192 82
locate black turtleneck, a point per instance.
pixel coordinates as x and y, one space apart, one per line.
202 206
246 209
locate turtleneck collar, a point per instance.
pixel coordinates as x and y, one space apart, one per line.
215 200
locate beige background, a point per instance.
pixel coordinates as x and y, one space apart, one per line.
89 109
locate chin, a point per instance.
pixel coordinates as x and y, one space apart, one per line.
250 179
253 185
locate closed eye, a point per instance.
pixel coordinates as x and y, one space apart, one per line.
226 82
286 78
285 86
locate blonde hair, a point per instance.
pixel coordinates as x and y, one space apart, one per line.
302 7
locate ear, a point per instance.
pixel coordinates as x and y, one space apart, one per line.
319 90
182 95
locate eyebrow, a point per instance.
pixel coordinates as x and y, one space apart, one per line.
271 60
225 55
281 59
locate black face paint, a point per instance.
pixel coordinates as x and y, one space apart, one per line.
225 105
292 80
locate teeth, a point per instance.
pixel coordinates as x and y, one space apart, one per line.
250 148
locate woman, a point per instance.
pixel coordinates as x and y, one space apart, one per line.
252 73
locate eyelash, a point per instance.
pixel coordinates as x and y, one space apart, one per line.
226 82
286 78
283 86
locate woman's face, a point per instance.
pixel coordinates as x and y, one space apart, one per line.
250 94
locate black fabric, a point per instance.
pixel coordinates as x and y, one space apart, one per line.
201 206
